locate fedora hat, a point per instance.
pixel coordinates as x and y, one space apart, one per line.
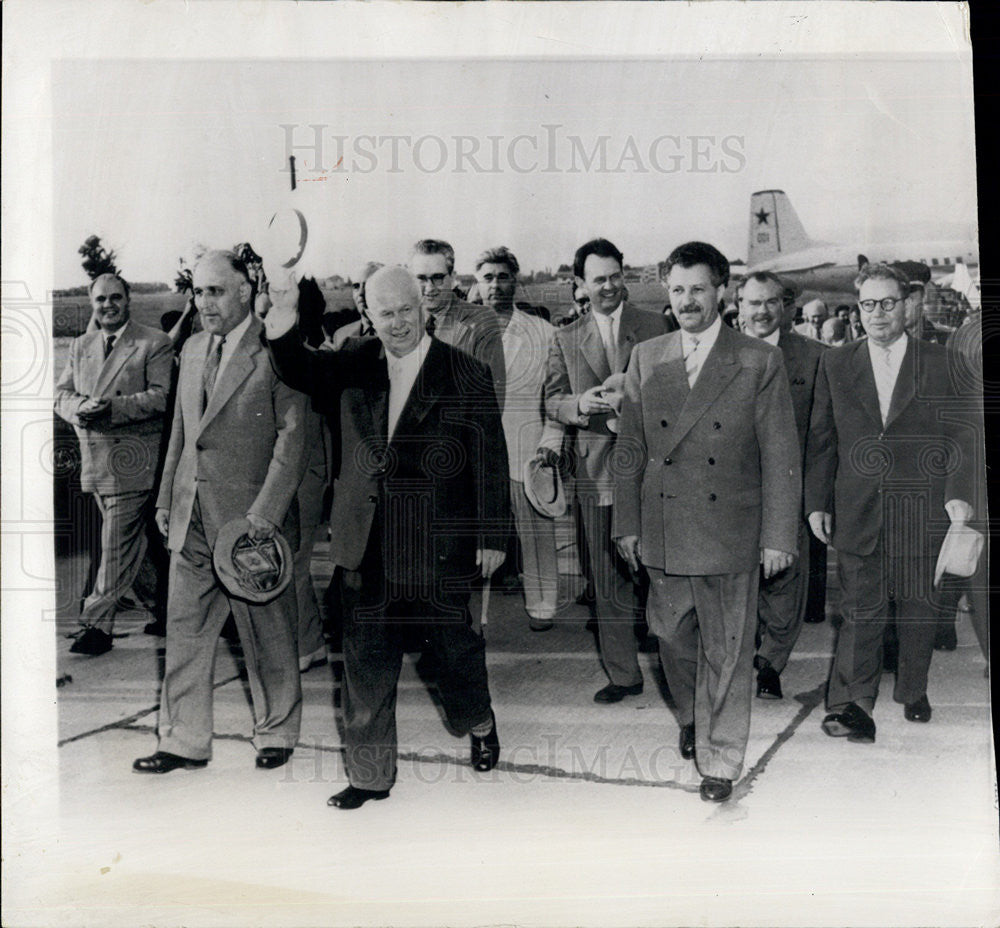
544 488
960 552
253 570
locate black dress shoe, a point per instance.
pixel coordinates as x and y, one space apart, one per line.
852 722
269 758
354 797
946 639
716 789
92 642
164 762
486 751
768 682
687 741
158 628
919 711
615 693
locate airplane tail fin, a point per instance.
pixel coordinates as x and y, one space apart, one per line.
774 227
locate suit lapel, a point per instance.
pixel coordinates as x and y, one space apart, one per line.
670 384
377 400
905 389
863 381
425 392
109 368
627 337
716 374
239 366
592 349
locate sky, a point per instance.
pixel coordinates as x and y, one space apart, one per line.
539 155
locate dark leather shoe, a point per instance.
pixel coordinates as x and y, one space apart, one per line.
92 642
269 758
853 723
164 762
615 693
354 797
946 639
768 682
716 789
687 741
158 628
919 711
814 618
486 751
540 625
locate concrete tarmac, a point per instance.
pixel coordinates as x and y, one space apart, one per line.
591 817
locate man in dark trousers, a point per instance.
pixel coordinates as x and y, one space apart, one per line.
889 461
708 499
421 509
781 602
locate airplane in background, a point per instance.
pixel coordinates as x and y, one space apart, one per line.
778 243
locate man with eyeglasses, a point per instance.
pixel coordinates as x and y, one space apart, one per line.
114 393
470 328
587 357
781 599
888 464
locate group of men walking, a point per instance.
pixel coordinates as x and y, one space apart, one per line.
700 459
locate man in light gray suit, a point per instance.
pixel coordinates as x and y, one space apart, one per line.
237 449
114 393
583 357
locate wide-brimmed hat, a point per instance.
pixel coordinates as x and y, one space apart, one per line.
254 570
544 488
960 552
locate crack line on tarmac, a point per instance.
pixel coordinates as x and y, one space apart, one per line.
810 699
556 773
127 722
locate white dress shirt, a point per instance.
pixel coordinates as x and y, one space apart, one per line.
607 325
229 348
699 345
402 376
886 363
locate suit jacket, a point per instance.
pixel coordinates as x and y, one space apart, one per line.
475 330
577 361
120 454
526 344
867 474
801 356
438 490
708 476
247 452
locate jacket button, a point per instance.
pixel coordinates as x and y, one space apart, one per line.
117 441
667 461
711 460
372 498
711 497
663 422
118 392
716 425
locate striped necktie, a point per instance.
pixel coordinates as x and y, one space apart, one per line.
693 360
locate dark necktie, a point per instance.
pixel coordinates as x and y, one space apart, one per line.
211 372
109 344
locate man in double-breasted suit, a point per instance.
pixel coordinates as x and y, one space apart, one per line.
237 449
708 499
420 509
582 360
890 461
114 393
781 601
